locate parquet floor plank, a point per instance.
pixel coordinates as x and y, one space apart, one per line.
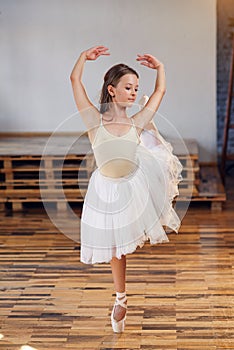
180 294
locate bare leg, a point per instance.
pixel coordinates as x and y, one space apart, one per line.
118 267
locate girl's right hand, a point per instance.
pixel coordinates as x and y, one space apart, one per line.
149 61
94 52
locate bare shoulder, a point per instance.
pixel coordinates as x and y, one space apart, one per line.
143 120
90 116
139 119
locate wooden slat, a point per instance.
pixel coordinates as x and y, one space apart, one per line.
210 188
211 184
47 192
179 148
20 172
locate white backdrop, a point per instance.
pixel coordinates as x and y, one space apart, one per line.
41 41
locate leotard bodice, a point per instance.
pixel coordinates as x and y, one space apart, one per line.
115 155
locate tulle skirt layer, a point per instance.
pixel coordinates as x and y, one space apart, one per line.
120 214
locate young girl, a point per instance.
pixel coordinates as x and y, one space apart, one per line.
127 201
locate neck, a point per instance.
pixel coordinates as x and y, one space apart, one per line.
116 112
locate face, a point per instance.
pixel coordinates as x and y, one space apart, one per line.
126 90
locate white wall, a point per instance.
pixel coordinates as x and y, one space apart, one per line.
41 41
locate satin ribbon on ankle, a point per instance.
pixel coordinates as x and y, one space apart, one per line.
120 294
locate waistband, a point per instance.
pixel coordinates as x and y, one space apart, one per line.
122 178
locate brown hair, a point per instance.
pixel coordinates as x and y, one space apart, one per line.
112 77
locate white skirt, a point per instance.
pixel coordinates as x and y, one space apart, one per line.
120 214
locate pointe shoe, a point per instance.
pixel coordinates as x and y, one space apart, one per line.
118 326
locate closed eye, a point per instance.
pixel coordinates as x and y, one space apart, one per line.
130 88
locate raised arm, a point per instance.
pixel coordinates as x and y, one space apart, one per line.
88 111
145 115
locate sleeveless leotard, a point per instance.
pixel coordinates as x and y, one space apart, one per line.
115 155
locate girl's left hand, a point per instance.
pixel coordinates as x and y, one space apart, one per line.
149 61
94 52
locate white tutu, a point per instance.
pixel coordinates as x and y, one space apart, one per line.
120 214
163 151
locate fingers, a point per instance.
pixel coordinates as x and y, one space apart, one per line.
145 64
146 59
97 49
148 55
104 54
101 48
145 56
140 57
102 51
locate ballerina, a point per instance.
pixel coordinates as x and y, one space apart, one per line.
127 201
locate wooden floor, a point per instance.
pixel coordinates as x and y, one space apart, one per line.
180 293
